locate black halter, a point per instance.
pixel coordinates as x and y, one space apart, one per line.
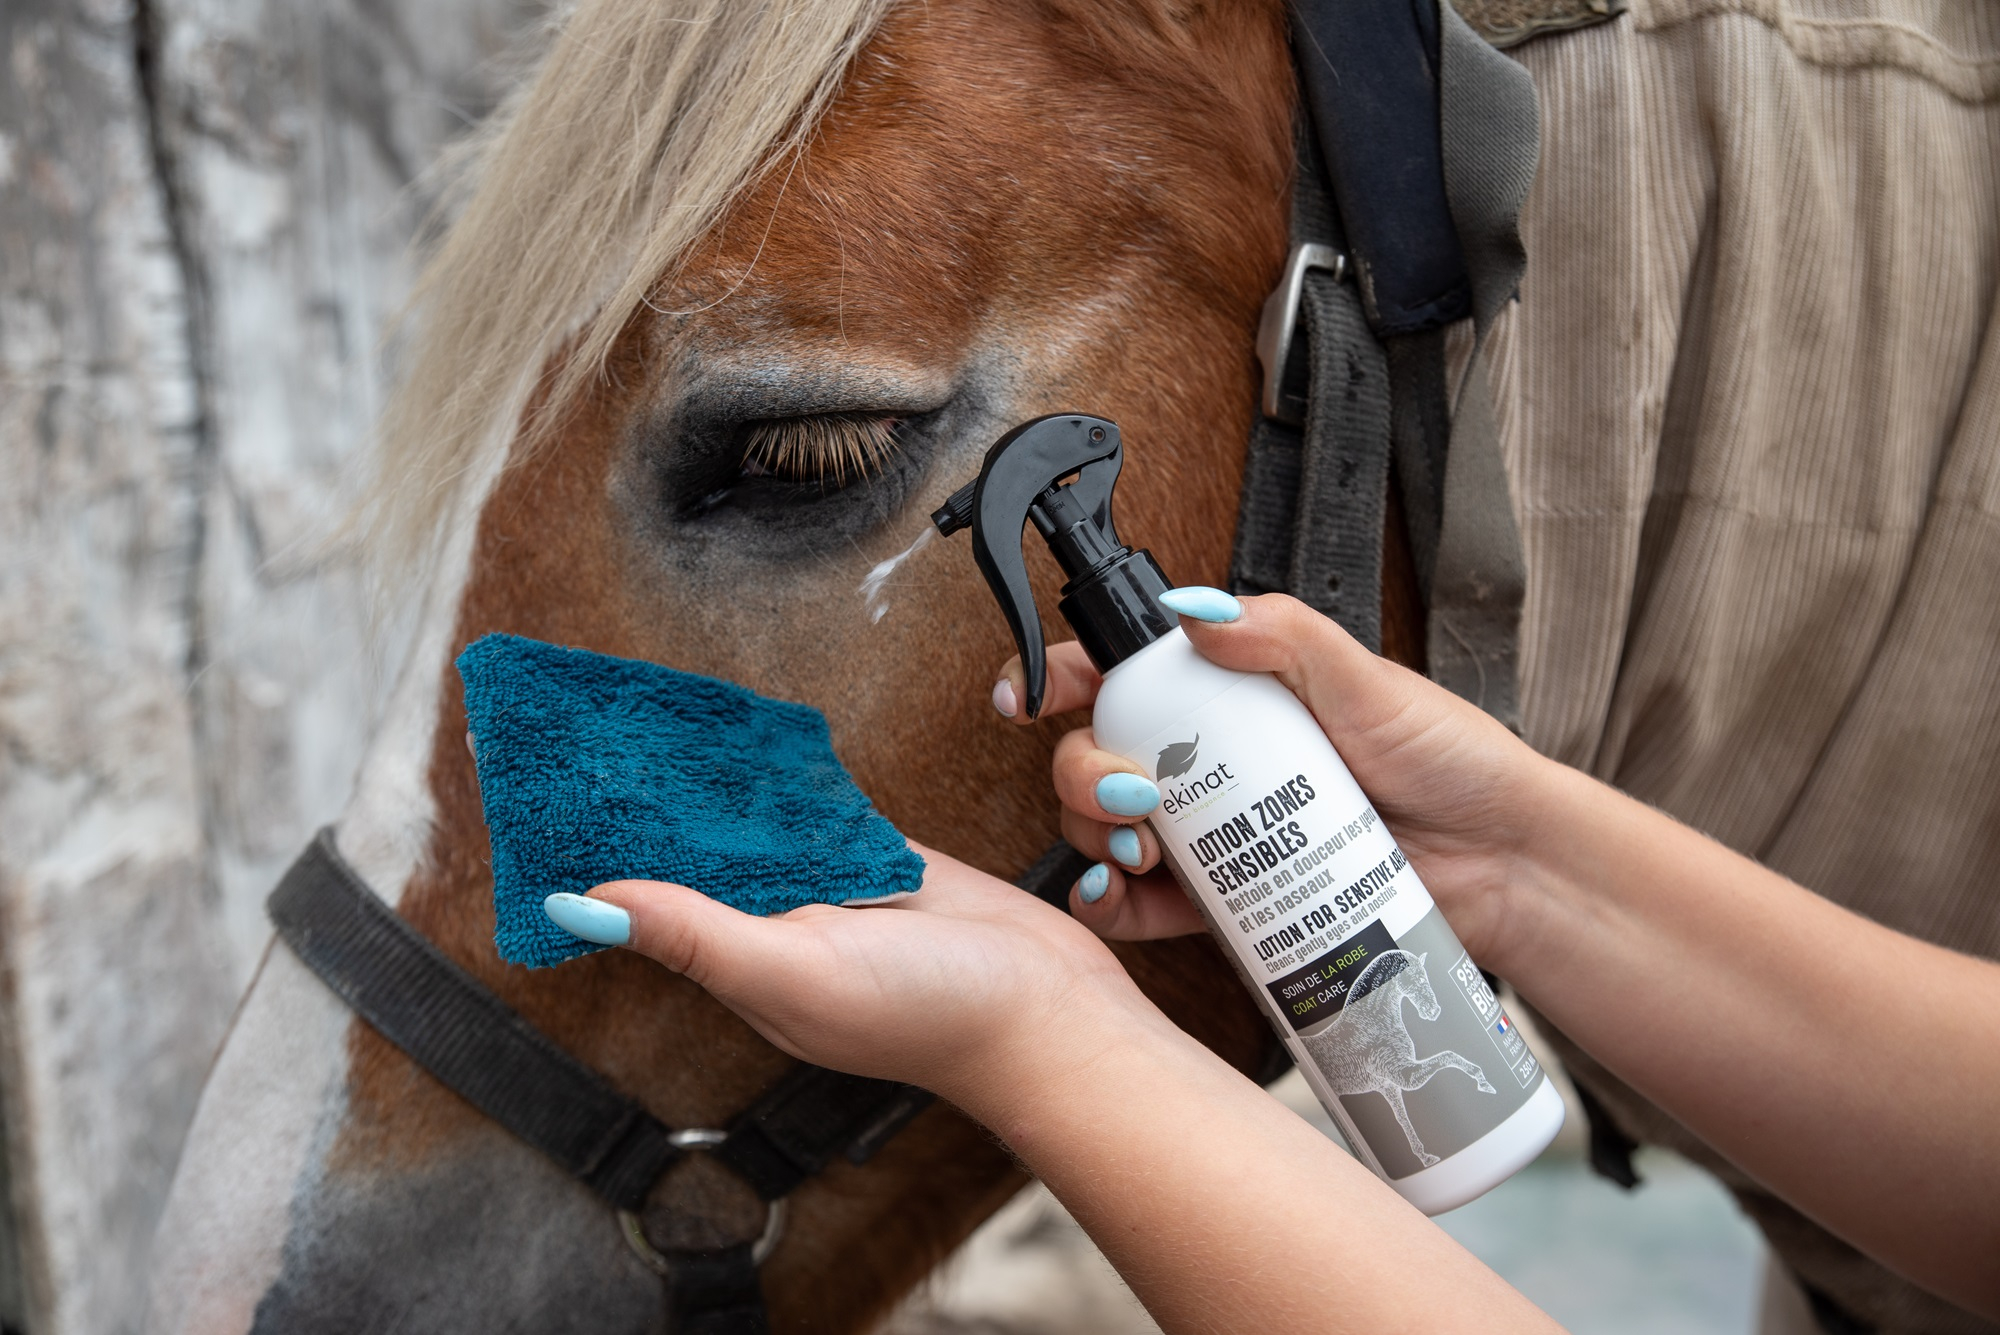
458 1031
1436 140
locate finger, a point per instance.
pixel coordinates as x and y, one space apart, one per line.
723 949
1099 785
1072 684
1132 848
1134 908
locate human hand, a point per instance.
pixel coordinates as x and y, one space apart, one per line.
953 988
1454 786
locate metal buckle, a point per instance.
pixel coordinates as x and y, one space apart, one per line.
634 1229
1281 317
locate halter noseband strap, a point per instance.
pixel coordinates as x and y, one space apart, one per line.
453 1027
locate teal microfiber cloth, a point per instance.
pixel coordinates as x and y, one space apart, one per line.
595 769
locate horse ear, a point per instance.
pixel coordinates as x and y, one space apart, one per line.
1423 957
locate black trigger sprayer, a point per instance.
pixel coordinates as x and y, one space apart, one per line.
1260 821
1112 597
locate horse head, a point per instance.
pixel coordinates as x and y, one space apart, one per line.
996 210
1417 981
1400 976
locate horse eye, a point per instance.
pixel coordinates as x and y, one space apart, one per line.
830 449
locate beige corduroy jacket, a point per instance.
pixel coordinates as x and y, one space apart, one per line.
1750 402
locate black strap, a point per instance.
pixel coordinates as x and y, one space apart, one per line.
1831 1317
471 1042
809 1116
1344 471
1368 75
1394 90
717 1293
1420 433
449 1024
1309 522
1053 873
1611 1149
461 1033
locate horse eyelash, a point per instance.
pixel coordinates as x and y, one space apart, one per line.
830 448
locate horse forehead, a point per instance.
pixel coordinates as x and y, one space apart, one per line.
974 166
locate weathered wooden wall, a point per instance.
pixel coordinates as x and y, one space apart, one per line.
204 213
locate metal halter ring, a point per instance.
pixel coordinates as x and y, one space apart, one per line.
634 1229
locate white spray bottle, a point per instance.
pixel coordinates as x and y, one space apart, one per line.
1386 1015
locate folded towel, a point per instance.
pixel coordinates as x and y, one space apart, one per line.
594 769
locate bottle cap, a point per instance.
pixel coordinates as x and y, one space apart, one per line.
1112 597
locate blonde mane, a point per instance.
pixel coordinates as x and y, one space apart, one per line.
644 121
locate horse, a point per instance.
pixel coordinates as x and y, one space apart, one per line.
958 216
740 292
1367 1047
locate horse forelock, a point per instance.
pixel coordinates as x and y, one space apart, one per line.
645 119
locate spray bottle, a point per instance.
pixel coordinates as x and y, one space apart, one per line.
1267 832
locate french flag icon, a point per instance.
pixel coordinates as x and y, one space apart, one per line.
1503 1028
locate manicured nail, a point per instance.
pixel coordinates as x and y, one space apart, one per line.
1124 794
1125 845
1003 698
591 919
1202 603
1090 887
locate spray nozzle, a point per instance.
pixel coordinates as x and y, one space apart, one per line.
1112 595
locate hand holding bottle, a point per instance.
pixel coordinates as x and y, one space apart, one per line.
1715 987
1453 785
1850 1069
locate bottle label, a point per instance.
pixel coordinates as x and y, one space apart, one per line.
1295 872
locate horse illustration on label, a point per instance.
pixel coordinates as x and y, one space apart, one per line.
1368 1047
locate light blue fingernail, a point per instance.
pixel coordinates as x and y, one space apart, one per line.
1202 603
1090 887
1127 794
591 919
1125 845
